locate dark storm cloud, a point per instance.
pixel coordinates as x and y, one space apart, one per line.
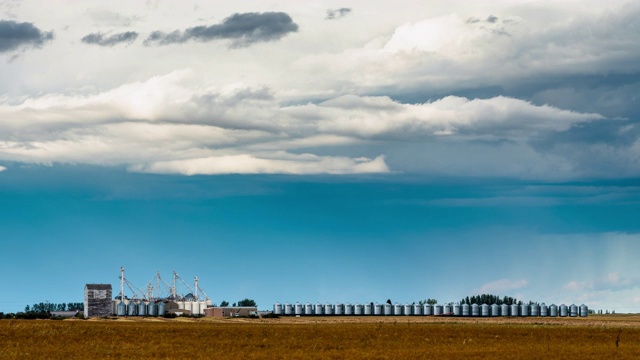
15 35
337 13
104 40
244 29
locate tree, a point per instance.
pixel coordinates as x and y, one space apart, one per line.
432 301
224 303
389 301
247 302
26 308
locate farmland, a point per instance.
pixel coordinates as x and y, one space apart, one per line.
595 337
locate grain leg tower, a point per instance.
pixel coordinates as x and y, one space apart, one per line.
97 300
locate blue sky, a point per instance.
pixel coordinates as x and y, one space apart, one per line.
422 152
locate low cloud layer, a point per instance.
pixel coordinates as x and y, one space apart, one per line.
110 40
242 29
18 35
165 125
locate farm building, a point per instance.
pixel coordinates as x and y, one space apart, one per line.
97 300
229 311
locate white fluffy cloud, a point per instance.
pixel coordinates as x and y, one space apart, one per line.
164 125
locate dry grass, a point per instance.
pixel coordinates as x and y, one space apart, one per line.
324 338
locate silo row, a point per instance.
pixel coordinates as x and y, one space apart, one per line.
464 310
144 308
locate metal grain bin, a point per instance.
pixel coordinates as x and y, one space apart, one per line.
187 306
348 309
427 309
457 310
338 309
195 308
368 309
446 309
277 309
297 309
553 310
288 309
466 310
357 309
328 309
437 309
121 309
417 309
513 310
573 310
534 310
504 310
377 309
524 310
406 309
152 309
564 310
495 310
142 309
132 309
308 309
475 310
584 310
162 308
485 310
388 309
544 310
318 309
397 309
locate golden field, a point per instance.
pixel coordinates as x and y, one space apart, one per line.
595 337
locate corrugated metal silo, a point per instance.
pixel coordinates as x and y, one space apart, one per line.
132 309
277 309
485 310
406 310
534 310
564 310
457 310
514 310
368 309
328 310
584 310
152 309
377 309
553 310
203 305
195 308
318 309
524 310
573 310
397 309
348 309
437 309
298 309
475 310
338 309
162 308
466 310
308 309
187 306
495 310
388 309
121 309
504 310
288 309
358 309
142 309
180 305
427 309
544 310
417 309
446 309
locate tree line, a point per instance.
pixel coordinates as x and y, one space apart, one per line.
491 299
243 302
44 307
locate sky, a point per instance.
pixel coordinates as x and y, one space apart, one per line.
336 151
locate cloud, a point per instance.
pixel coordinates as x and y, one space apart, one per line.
111 40
610 282
281 164
2 168
501 286
109 18
16 35
337 13
166 124
243 29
